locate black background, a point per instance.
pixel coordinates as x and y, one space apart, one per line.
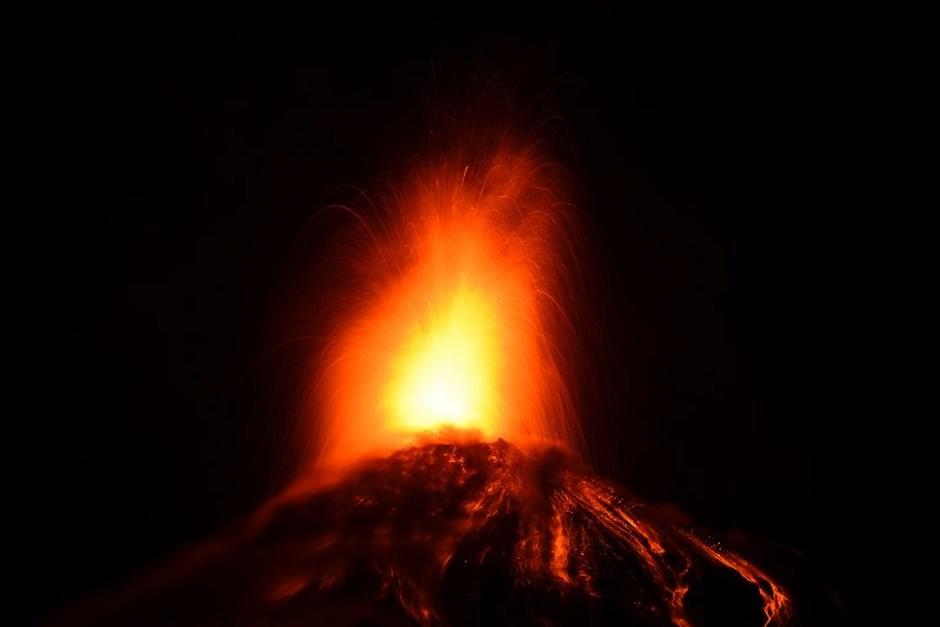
192 145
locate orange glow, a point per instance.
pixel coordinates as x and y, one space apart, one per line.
458 323
775 600
446 372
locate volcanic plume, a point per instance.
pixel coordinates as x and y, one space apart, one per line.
449 482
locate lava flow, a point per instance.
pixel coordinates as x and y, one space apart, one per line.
459 491
456 534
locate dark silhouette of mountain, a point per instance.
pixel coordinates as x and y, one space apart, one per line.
454 534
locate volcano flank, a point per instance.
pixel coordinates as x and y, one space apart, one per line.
454 534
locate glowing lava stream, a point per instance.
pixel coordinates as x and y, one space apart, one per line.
459 323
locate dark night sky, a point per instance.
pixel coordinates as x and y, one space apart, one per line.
196 144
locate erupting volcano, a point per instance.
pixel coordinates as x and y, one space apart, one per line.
449 482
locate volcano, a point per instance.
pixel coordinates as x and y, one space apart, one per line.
455 534
448 480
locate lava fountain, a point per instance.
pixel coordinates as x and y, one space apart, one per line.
458 488
461 323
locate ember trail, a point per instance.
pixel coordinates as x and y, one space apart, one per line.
459 489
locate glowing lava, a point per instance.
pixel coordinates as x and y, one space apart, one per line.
462 535
458 320
446 374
